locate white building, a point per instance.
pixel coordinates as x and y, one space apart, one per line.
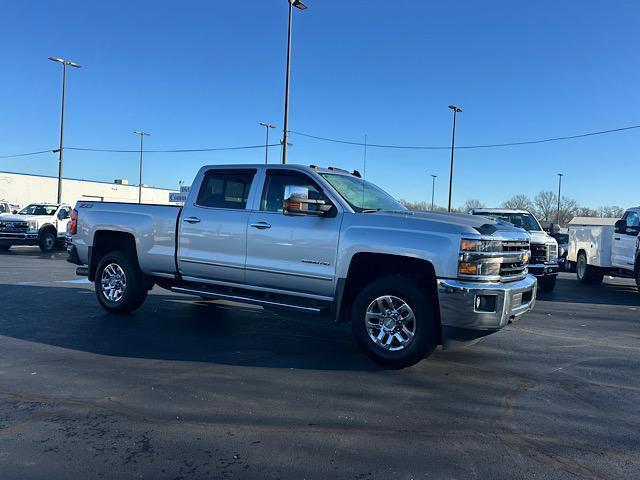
24 189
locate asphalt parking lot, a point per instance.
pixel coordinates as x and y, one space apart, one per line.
191 389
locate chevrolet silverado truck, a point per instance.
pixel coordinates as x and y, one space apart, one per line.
603 246
314 240
544 248
42 224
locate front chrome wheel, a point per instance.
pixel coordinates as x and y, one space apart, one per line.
114 282
391 323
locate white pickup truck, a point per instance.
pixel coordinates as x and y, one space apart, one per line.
42 224
601 246
314 240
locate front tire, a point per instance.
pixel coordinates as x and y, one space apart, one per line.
119 283
393 320
587 274
547 284
47 241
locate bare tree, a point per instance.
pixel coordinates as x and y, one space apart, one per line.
546 205
568 209
471 204
610 211
519 202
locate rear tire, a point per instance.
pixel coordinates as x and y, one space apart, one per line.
119 283
47 241
587 274
4 248
399 330
547 284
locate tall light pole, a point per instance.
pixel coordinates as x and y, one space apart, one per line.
64 63
453 143
266 126
142 135
433 189
560 175
285 133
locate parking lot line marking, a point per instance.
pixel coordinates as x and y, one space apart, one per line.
79 280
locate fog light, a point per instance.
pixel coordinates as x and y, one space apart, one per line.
467 268
486 303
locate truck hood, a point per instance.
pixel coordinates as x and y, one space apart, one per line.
9 217
538 237
465 223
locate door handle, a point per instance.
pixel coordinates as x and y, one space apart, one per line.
191 220
261 225
616 238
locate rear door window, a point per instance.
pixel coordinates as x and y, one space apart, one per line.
225 189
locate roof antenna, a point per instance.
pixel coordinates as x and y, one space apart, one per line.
364 167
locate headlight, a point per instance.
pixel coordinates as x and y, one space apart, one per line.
553 251
33 226
476 245
476 257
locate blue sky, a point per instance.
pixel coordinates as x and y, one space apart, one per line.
204 73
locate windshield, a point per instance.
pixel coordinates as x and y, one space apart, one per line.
35 209
522 220
361 195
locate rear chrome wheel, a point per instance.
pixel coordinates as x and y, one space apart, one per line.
119 283
391 323
114 282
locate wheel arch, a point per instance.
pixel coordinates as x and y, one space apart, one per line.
105 241
366 267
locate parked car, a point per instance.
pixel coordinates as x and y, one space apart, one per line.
313 240
563 248
42 224
544 248
601 246
8 208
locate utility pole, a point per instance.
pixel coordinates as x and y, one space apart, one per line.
142 135
560 175
285 133
453 142
266 126
433 189
64 63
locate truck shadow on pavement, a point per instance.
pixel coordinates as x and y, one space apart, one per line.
173 327
622 292
34 252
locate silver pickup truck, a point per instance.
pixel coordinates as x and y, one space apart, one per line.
315 240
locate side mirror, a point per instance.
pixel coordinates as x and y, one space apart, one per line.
15 212
621 226
297 202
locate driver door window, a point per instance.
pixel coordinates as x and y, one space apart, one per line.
273 192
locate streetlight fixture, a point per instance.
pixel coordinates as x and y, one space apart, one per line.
142 135
64 63
433 189
266 126
560 175
285 133
453 142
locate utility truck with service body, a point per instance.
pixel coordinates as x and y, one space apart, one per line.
314 240
42 224
544 248
604 246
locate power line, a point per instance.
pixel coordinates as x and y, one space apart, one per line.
26 154
185 150
492 145
334 140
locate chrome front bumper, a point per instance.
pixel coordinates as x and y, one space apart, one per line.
484 306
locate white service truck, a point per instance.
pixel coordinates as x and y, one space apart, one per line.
604 246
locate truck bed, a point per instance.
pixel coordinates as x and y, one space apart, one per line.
152 226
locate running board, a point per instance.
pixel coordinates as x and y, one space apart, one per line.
245 299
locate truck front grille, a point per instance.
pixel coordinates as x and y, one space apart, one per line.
539 254
13 227
512 266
